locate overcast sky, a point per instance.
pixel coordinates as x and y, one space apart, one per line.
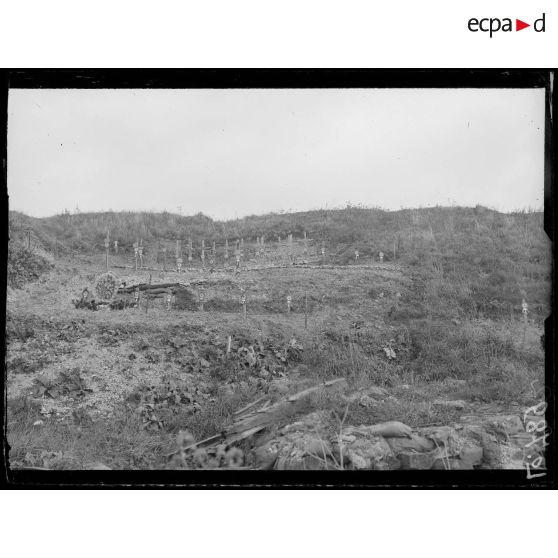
232 153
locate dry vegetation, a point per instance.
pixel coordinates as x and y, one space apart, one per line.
117 387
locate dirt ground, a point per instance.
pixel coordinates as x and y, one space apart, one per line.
117 387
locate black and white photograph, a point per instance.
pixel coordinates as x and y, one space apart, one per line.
334 281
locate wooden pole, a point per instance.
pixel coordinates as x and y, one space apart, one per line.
147 295
305 309
29 240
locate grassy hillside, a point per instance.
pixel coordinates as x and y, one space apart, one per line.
473 259
456 329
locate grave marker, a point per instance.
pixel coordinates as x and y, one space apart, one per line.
140 252
525 310
289 300
136 254
116 246
107 243
381 254
356 255
202 298
179 264
203 254
226 249
137 297
169 299
243 302
164 258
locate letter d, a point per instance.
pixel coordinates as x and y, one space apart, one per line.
535 25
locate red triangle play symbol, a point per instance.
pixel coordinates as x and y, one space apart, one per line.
519 25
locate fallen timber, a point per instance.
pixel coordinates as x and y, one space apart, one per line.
153 289
247 421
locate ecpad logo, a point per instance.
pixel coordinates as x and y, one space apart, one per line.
493 25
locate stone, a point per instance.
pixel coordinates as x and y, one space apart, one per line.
299 447
359 448
471 455
410 460
414 443
393 429
441 435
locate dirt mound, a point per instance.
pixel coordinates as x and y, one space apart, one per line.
25 266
